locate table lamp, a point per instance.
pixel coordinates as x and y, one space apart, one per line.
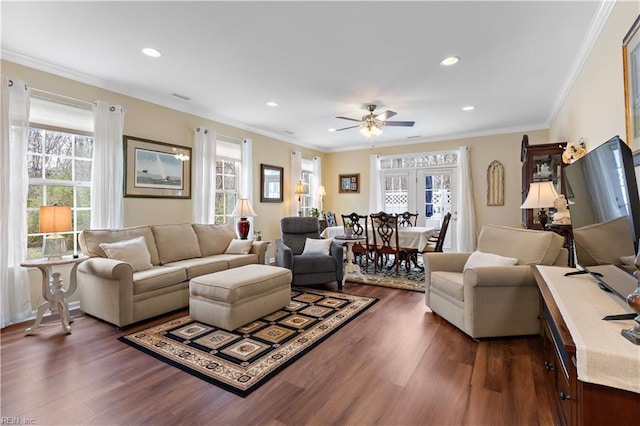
54 219
299 192
540 196
243 210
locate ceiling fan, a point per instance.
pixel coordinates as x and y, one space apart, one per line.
371 125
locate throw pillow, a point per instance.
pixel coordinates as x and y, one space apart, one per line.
237 246
480 259
133 251
316 246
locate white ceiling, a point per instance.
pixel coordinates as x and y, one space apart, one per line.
319 60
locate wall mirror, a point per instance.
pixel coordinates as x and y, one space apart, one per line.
271 184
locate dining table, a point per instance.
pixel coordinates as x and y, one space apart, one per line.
409 237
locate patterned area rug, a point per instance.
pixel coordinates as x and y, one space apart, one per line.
412 280
243 359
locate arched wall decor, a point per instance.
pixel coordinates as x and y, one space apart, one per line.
495 184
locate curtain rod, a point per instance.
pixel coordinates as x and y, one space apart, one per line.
43 94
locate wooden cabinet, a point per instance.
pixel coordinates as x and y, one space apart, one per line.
577 402
540 163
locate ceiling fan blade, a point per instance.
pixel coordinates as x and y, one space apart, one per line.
350 119
400 123
350 127
385 115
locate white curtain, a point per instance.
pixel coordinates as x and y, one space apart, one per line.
204 175
317 181
375 187
466 217
296 175
14 281
246 181
107 205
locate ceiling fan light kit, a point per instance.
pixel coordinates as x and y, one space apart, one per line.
371 125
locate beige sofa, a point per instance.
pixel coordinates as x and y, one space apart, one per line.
492 301
156 280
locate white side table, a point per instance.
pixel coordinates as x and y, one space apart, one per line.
52 291
350 267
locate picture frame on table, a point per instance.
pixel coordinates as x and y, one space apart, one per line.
155 169
631 75
349 183
271 184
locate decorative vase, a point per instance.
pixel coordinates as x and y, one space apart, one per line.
348 232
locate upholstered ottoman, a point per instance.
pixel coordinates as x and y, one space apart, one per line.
234 297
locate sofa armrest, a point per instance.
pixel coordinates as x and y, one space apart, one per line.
500 276
563 258
337 251
284 255
260 248
450 262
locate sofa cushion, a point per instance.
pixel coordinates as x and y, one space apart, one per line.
313 263
213 239
133 251
176 242
530 247
158 277
90 240
478 259
201 265
239 247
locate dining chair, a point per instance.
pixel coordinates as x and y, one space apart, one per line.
408 219
384 228
331 219
408 255
360 229
436 242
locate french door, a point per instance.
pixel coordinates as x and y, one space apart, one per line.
428 191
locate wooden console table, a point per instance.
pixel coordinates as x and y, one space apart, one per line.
593 370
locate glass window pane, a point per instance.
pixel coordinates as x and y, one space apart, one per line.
83 196
84 147
230 182
34 247
34 196
35 140
33 221
58 143
60 195
34 166
57 168
83 170
83 219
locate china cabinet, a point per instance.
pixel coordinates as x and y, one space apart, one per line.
540 163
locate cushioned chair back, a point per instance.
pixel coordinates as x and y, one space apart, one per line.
296 230
529 246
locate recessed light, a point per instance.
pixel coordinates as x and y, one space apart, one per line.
331 130
150 51
468 108
451 60
272 104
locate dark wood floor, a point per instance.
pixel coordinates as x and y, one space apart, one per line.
396 364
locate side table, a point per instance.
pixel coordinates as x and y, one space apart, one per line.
350 267
52 291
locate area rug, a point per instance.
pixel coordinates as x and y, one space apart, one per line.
242 360
412 280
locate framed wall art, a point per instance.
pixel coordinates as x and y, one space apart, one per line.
271 184
349 183
156 169
631 75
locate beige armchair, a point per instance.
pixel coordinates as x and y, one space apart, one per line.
492 301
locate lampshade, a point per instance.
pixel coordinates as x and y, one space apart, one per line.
321 190
55 219
243 209
541 195
300 188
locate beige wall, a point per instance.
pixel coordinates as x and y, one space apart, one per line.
503 148
594 107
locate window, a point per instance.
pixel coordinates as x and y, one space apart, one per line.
228 163
306 201
59 164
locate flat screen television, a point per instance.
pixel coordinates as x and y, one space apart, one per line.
605 211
